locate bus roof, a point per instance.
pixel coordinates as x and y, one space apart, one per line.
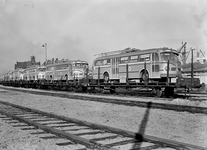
126 50
67 62
122 53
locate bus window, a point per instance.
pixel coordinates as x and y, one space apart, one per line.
42 69
133 58
155 57
169 56
61 67
124 60
99 63
32 70
50 68
85 65
144 57
78 65
106 62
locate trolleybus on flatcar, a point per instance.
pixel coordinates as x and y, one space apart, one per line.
34 73
8 76
2 77
17 74
112 66
67 70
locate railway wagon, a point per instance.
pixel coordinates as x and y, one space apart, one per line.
67 70
111 66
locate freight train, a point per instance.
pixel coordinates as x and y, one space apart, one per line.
156 68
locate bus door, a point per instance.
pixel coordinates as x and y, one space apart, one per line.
114 68
155 65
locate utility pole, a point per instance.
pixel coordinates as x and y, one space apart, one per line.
45 45
192 67
184 55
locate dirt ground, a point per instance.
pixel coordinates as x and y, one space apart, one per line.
178 126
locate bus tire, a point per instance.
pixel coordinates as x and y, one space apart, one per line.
106 77
112 89
159 92
84 88
143 77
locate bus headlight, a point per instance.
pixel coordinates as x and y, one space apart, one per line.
166 68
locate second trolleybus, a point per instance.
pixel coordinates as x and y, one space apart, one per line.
67 70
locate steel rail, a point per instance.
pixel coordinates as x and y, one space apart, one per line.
92 143
155 105
72 137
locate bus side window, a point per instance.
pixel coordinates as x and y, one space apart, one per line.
134 58
49 68
105 62
144 57
124 60
108 62
99 62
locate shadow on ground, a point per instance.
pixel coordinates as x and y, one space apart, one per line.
139 135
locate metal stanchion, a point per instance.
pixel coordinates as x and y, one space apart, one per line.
168 70
127 74
98 75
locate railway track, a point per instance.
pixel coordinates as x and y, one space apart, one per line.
155 105
82 135
195 96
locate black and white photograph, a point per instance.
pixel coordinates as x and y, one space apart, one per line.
103 75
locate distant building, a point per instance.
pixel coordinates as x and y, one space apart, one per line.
199 71
26 64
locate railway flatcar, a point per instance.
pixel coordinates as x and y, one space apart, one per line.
67 70
111 66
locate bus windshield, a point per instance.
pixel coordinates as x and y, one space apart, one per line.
80 65
85 65
169 56
41 69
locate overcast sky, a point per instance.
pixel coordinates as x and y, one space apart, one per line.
79 29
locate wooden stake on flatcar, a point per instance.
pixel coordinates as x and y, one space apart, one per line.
145 73
168 69
191 68
127 74
87 71
98 75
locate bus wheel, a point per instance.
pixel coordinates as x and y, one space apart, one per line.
112 89
84 88
106 77
144 77
159 92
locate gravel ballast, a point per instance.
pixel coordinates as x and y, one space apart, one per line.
178 126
